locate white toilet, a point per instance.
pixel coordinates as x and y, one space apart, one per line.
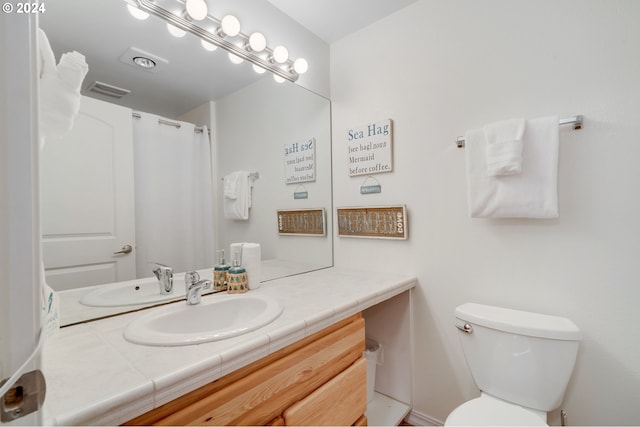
520 361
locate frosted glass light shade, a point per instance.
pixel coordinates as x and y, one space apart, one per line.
197 9
278 79
230 25
137 13
300 66
258 69
208 46
175 31
257 42
280 54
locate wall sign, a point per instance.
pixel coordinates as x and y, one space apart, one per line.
300 161
302 222
369 148
386 222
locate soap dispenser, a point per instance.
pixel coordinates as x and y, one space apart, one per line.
238 281
221 273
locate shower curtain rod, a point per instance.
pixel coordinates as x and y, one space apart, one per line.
576 121
197 129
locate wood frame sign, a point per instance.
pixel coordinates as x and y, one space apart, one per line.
384 222
302 222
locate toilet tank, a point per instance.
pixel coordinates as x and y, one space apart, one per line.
521 357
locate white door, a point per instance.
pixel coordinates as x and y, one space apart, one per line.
87 199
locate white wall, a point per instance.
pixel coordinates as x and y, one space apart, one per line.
252 127
438 68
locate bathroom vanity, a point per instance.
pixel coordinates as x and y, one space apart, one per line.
319 380
306 366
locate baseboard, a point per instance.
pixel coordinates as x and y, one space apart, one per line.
419 419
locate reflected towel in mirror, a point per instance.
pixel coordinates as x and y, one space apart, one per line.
236 195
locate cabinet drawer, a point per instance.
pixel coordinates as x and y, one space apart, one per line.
339 402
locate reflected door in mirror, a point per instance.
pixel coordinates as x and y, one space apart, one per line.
87 199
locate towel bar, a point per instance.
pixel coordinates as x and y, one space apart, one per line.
576 121
252 175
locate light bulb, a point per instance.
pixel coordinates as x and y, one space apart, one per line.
300 66
137 13
257 42
230 26
258 69
208 46
278 79
197 9
280 54
235 58
175 31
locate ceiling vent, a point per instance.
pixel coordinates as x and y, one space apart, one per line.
142 60
108 90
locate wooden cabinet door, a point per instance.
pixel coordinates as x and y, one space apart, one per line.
339 402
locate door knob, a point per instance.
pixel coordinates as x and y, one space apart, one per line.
126 249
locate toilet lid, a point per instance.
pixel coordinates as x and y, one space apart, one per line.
489 411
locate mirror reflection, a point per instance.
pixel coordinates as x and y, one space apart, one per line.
138 182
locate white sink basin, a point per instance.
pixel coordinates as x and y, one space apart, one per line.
130 293
217 317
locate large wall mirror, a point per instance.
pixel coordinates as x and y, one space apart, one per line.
251 121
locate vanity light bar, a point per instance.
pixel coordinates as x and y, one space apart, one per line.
184 24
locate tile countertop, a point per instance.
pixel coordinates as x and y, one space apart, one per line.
96 377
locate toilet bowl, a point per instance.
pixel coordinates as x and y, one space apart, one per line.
487 410
520 361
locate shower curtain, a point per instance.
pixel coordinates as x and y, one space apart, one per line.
174 196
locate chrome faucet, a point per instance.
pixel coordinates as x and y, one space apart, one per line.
194 287
165 278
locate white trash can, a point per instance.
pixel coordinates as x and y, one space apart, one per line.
372 354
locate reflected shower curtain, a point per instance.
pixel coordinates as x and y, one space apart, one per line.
174 196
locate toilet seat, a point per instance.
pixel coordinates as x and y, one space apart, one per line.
487 410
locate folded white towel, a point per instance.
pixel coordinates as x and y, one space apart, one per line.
230 185
237 195
530 194
504 147
46 60
59 91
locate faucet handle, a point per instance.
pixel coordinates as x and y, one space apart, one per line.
190 278
194 293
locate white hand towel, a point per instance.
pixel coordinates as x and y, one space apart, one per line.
231 185
504 147
59 91
47 60
235 201
530 194
252 263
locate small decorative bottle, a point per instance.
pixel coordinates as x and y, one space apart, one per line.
221 274
238 282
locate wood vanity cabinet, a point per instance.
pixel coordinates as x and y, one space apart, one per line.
320 380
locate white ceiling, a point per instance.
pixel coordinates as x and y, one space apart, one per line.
103 31
332 20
